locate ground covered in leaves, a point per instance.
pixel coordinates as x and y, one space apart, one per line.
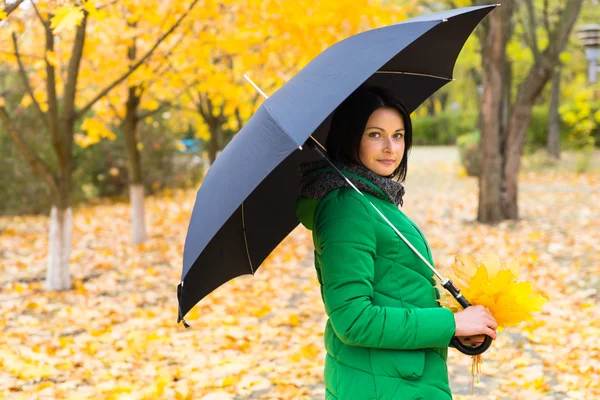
114 335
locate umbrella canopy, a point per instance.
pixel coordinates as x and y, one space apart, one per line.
246 204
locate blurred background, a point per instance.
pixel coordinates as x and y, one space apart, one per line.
111 112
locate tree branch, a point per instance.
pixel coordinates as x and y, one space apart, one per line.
12 7
166 65
114 109
238 117
51 93
558 38
530 29
546 17
42 20
25 79
106 5
198 103
73 69
37 164
136 66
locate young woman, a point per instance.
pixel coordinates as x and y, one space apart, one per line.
387 336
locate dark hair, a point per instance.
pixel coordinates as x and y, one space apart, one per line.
349 121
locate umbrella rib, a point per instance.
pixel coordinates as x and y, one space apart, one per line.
246 239
414 73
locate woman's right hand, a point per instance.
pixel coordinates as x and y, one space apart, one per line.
475 320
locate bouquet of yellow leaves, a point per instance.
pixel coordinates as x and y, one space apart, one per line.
485 280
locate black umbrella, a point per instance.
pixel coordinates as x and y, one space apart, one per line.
246 204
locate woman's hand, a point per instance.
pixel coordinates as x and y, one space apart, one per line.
473 321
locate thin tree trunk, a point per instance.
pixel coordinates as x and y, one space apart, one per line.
430 105
138 221
553 116
136 187
494 57
59 249
216 141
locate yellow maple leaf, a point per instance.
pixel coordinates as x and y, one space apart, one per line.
3 15
66 16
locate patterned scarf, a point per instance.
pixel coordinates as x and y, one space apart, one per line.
317 185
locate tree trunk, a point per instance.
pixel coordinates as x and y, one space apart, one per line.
553 116
494 59
136 187
529 90
61 219
444 96
517 129
216 141
138 225
59 249
430 106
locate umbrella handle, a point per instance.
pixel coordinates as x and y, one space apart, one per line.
468 350
472 351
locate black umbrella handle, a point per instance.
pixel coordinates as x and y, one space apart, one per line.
468 350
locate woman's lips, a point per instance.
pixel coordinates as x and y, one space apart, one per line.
387 162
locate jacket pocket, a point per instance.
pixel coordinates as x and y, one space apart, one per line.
407 364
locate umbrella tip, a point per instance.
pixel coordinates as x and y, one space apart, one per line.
179 312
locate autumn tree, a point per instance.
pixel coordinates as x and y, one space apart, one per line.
64 30
262 41
145 92
502 149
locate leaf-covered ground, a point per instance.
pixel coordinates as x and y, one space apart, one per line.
114 335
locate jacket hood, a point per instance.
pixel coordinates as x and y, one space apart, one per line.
318 179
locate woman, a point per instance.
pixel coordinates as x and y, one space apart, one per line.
387 336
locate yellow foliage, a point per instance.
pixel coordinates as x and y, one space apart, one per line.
485 280
96 131
66 16
51 58
3 15
26 101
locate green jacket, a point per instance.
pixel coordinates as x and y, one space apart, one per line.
386 337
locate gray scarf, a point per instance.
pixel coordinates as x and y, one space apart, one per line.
318 185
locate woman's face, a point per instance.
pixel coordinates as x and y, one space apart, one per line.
382 142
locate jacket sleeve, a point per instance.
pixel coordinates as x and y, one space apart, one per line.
345 237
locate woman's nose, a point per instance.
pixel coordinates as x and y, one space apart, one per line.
387 145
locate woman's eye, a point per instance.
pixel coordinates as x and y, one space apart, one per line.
374 134
399 135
